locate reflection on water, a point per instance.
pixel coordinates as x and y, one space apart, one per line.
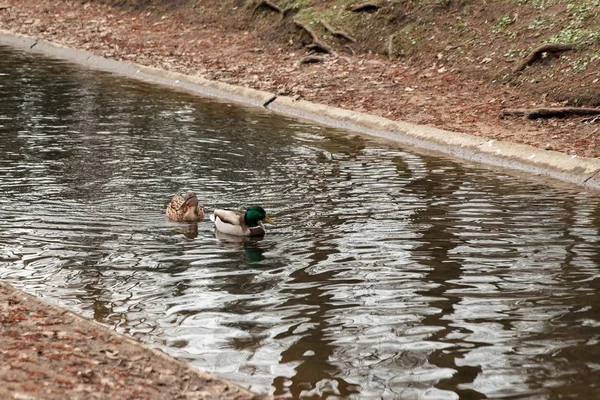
389 274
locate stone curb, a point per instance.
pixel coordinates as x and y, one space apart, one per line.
568 168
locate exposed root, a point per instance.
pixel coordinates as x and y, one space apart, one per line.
268 5
307 29
590 120
316 43
321 47
366 7
560 112
391 46
537 53
336 32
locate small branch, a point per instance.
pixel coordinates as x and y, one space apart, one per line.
537 53
266 103
336 32
592 133
366 7
550 112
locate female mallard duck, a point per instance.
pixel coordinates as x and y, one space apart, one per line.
185 208
249 223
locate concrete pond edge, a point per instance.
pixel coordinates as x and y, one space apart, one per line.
531 160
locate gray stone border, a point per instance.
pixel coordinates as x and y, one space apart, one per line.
568 168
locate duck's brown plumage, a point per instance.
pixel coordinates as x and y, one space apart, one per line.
185 207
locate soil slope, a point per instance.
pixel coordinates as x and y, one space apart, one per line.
444 63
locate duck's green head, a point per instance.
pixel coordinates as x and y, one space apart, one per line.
255 214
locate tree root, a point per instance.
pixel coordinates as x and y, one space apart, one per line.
336 32
537 53
391 45
316 44
590 120
366 7
269 5
560 112
307 29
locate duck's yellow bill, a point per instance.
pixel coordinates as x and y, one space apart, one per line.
269 221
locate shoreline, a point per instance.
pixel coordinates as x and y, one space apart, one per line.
518 157
50 353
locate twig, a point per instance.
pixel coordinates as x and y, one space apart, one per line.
537 53
591 133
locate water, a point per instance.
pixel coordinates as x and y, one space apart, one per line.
390 274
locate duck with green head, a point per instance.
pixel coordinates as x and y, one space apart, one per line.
238 223
185 207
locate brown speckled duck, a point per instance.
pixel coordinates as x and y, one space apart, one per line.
185 208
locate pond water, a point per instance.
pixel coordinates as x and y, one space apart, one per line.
390 274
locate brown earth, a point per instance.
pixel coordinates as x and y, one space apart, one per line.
47 353
449 64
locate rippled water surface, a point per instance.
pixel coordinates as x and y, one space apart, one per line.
389 275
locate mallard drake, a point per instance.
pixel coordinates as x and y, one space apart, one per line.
248 223
185 207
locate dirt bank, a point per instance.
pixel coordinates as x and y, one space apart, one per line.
448 80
